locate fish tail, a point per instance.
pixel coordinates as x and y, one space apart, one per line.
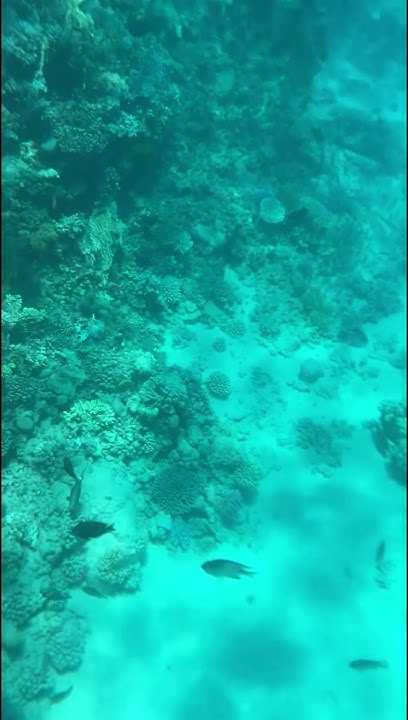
248 571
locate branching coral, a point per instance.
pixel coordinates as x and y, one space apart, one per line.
13 312
87 416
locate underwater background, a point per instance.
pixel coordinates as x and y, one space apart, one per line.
203 359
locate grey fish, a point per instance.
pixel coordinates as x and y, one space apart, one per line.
93 591
227 568
61 695
75 493
368 664
74 497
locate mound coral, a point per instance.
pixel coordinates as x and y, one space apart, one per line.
219 385
247 477
229 507
175 490
66 641
119 570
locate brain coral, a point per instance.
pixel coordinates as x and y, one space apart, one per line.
218 384
175 490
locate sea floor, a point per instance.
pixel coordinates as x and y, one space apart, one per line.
189 646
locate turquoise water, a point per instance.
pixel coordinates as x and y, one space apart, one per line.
203 359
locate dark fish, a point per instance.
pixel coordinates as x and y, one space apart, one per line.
227 568
69 469
87 529
368 664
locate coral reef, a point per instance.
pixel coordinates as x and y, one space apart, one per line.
144 284
389 434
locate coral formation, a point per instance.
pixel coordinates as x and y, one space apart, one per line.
389 434
159 304
219 385
175 490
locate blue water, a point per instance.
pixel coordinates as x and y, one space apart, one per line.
204 359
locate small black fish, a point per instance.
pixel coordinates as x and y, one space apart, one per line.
227 568
87 529
69 469
368 664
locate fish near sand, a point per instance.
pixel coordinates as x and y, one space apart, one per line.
363 664
75 494
74 497
92 591
87 529
60 696
227 569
